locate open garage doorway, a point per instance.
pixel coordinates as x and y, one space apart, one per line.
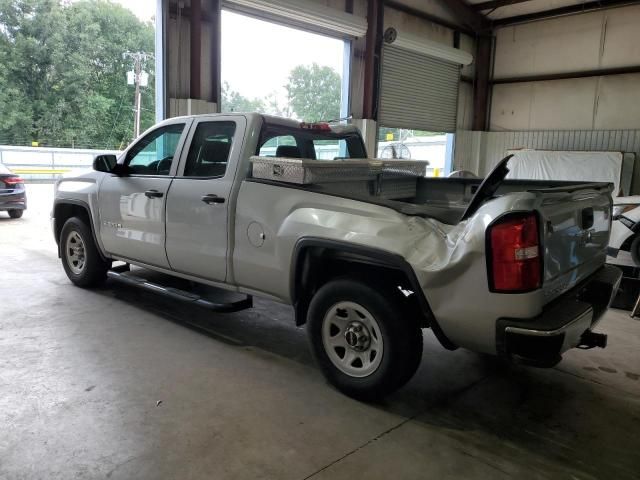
411 144
284 71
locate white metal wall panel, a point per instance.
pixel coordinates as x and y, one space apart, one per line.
417 91
481 151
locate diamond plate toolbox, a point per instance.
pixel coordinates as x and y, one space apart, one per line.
306 171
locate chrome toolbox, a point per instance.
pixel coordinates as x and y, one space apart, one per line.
306 171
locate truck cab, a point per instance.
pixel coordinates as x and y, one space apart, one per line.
171 209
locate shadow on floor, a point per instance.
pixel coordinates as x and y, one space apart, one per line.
558 424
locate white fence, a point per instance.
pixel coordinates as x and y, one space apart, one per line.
46 164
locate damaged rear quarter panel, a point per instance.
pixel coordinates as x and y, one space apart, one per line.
449 261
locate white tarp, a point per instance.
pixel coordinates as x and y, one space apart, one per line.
553 165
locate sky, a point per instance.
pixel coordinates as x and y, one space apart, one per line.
257 56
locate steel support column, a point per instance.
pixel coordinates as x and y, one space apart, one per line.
481 86
215 79
373 46
196 49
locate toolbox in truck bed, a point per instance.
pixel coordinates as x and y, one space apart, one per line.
306 171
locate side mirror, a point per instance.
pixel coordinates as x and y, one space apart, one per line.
105 163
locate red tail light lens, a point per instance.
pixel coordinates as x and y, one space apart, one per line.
12 180
515 263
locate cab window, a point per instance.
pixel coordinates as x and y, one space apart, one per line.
280 146
291 142
331 149
210 148
153 154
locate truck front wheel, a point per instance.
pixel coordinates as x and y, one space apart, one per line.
363 339
80 257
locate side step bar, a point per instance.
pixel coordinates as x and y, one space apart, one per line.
122 275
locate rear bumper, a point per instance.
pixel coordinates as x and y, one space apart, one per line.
543 339
13 201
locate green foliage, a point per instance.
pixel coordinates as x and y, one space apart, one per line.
62 75
314 92
232 101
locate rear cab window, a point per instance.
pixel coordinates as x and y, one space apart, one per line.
290 142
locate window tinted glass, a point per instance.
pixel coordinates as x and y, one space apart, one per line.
209 151
331 149
153 154
4 169
271 146
285 141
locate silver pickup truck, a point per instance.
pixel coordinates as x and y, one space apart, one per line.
368 252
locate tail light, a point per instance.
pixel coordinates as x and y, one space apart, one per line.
514 257
12 180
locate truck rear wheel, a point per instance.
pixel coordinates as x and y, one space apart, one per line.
80 257
364 342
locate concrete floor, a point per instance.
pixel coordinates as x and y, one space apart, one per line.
117 383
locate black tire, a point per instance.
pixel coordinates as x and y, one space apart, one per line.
401 335
15 213
93 270
634 249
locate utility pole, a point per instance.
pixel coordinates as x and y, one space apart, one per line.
137 99
138 80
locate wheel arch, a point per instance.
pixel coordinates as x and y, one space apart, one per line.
316 261
63 210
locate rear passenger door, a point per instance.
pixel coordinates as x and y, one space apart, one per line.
198 200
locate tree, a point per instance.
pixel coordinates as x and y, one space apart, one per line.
314 92
63 78
233 101
275 106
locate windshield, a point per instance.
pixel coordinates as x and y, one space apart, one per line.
290 142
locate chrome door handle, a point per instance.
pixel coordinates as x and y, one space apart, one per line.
212 198
153 194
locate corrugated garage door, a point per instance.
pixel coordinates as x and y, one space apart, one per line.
418 91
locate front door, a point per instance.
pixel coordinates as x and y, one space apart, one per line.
132 208
198 200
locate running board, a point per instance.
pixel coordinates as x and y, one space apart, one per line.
122 275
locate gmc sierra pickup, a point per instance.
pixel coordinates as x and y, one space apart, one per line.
369 252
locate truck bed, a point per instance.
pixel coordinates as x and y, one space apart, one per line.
443 199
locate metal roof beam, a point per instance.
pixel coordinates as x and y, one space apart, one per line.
586 7
495 4
468 16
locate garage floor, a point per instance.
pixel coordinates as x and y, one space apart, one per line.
117 383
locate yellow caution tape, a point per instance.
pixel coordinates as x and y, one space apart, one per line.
35 171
